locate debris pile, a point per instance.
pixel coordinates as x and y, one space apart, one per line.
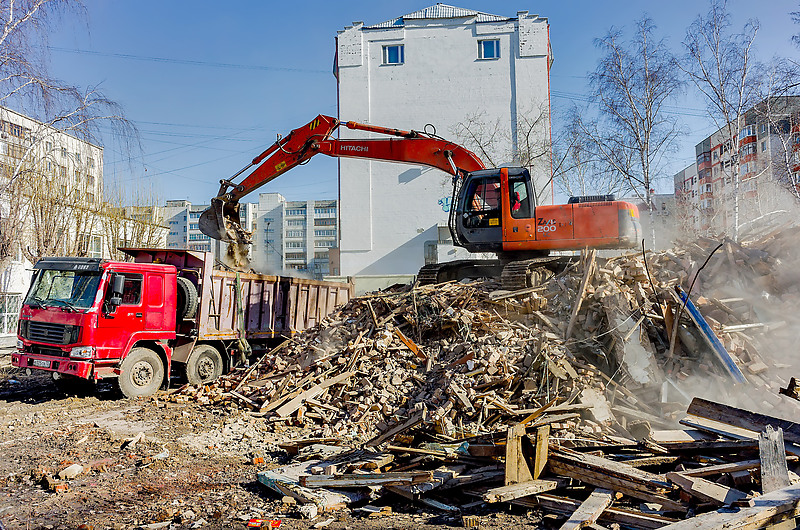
568 395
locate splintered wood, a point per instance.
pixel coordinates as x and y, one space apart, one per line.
568 396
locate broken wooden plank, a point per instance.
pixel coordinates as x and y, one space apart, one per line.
416 350
589 510
413 421
705 490
772 454
523 489
587 275
517 448
363 480
743 419
541 450
291 406
764 508
622 516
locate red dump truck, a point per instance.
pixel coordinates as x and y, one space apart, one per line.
85 319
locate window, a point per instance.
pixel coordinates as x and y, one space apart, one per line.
194 226
91 162
393 54
296 222
325 222
48 146
295 233
132 290
296 255
764 145
324 211
295 244
489 49
193 215
78 158
482 206
519 200
64 152
324 233
296 211
325 244
90 180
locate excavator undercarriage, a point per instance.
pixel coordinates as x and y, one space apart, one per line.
514 275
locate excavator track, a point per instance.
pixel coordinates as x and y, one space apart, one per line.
513 275
458 270
532 272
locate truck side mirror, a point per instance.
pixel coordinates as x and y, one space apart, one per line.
117 286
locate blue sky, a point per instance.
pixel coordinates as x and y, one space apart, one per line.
210 85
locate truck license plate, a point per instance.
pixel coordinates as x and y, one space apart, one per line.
41 364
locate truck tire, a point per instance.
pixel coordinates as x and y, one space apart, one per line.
203 365
187 299
141 373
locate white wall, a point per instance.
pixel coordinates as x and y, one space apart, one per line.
388 210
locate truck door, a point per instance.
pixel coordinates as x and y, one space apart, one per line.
115 329
154 303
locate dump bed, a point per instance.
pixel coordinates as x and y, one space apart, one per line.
257 306
265 306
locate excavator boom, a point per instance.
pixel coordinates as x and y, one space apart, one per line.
221 219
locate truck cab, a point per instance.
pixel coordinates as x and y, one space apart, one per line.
83 317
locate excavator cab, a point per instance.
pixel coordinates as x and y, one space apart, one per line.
486 198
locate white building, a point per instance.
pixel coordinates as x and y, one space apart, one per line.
444 66
294 236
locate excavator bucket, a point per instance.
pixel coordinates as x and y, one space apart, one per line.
221 221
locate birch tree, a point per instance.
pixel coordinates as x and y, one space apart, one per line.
719 63
631 85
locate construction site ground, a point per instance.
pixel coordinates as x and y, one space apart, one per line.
192 469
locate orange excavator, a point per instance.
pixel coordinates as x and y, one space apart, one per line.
492 210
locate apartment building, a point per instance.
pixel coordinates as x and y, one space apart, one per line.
445 66
182 217
763 152
295 236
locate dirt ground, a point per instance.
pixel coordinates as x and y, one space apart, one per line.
190 469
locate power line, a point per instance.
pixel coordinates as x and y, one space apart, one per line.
189 62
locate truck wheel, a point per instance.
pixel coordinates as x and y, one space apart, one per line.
141 373
187 298
203 365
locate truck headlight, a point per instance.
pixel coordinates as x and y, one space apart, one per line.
82 352
20 345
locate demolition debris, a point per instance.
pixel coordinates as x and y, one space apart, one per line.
570 396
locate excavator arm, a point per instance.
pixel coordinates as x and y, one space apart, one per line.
221 219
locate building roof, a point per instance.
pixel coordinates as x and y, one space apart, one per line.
439 11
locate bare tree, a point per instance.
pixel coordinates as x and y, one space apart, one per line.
57 108
577 169
131 219
632 83
720 65
525 142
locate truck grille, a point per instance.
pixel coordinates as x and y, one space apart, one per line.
52 333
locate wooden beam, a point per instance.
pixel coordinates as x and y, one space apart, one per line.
705 490
743 419
587 275
517 469
622 516
523 489
772 453
541 450
362 480
413 421
589 510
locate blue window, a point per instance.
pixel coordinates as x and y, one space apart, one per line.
393 54
489 49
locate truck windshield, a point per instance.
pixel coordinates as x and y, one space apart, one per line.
68 289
